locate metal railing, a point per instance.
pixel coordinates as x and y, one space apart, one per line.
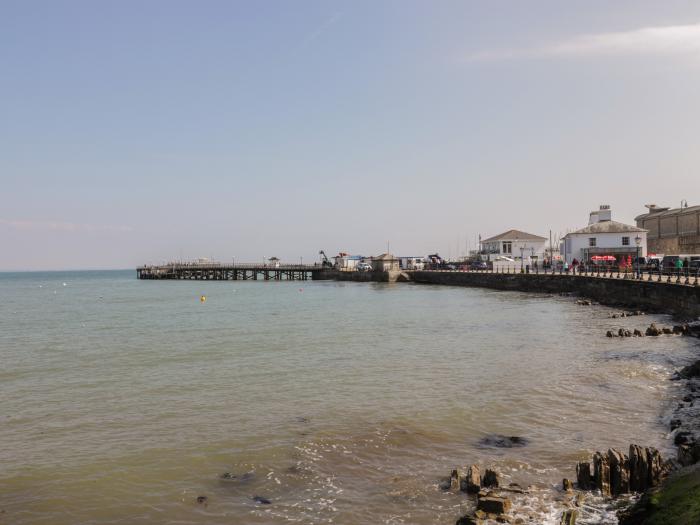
685 276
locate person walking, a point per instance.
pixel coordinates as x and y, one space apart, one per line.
679 266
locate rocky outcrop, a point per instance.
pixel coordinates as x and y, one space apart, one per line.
601 473
493 504
583 476
471 484
569 517
614 473
619 472
490 479
653 330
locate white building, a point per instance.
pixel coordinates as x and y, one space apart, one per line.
346 262
604 237
411 263
513 248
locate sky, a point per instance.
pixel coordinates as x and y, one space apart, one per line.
143 132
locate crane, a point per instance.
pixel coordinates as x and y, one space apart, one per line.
324 260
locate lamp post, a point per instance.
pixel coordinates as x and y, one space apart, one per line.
638 240
522 269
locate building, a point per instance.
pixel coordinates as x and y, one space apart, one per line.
411 263
672 231
385 263
346 262
604 237
522 247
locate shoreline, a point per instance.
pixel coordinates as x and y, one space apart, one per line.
659 502
673 497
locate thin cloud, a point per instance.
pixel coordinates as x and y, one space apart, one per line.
647 41
57 226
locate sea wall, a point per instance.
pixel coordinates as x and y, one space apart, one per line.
381 277
680 300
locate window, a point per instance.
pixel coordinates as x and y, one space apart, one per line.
625 241
591 242
507 247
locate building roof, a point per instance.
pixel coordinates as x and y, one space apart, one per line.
384 257
607 227
512 235
666 212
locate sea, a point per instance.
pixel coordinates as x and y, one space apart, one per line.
312 402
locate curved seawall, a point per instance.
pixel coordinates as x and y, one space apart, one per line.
678 299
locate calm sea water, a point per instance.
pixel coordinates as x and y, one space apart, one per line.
122 401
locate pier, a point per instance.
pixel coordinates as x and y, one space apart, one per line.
233 272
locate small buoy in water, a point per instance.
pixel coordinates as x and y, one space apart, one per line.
301 289
203 298
64 284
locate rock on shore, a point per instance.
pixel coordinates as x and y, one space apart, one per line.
614 473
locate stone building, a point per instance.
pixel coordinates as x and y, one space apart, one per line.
385 263
672 231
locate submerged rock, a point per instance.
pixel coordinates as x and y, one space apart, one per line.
445 484
230 477
690 371
202 499
261 500
501 441
567 485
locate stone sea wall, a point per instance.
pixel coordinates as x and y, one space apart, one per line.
680 300
363 277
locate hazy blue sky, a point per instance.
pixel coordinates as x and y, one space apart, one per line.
134 132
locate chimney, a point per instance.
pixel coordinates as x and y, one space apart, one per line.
604 213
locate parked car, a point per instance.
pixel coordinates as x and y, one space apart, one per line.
479 265
694 266
364 267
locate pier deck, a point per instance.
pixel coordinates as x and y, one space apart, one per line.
233 272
